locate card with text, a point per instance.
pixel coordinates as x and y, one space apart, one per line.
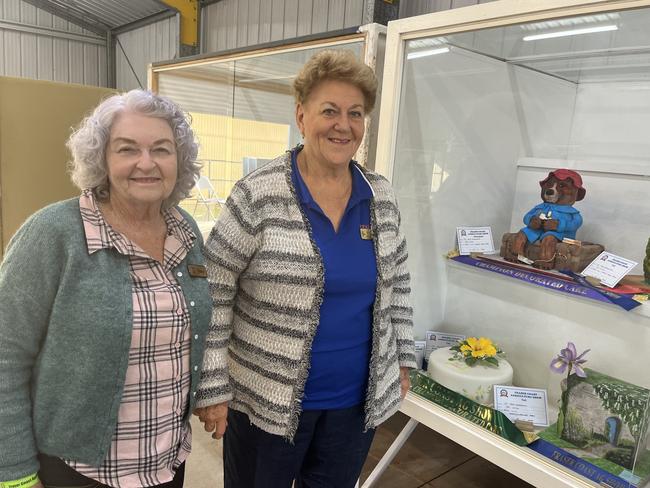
474 239
527 404
436 340
609 268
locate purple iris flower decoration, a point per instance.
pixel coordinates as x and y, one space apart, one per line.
568 357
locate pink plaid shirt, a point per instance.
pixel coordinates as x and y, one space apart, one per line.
151 439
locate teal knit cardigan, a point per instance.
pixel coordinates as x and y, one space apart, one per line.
65 334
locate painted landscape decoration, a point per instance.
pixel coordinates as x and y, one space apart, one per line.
604 421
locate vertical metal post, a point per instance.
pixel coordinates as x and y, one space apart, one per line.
111 67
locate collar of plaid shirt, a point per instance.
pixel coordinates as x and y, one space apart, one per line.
100 235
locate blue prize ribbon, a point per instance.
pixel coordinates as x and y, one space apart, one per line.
557 283
579 465
622 301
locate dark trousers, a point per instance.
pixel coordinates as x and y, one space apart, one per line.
329 450
54 473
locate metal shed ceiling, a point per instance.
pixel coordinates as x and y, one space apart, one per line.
102 16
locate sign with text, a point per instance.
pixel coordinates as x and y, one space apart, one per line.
436 340
527 404
609 268
474 239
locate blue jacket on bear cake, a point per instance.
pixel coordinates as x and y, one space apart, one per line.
568 217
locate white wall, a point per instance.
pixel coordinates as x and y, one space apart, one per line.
458 138
532 324
610 148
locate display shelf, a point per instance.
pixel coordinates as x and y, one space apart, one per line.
642 310
520 461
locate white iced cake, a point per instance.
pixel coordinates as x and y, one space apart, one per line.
474 382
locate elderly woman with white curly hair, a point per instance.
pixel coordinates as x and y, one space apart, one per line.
104 311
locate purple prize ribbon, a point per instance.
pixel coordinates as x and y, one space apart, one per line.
557 284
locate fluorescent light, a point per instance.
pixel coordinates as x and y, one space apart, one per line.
429 52
572 32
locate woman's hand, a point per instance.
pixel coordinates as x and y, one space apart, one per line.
405 381
214 418
38 485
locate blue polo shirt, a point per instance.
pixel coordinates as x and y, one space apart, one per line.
340 355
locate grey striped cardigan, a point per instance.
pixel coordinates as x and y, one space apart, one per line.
266 278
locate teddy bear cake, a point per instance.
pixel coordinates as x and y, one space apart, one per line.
548 240
471 368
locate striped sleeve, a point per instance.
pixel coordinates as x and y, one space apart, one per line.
228 251
401 310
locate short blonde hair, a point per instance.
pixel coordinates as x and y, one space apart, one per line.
336 65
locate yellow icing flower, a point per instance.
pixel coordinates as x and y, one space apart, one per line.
474 351
479 348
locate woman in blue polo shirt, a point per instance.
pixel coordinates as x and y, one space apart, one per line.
311 340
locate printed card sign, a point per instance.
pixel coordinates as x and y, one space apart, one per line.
436 340
609 268
474 239
527 404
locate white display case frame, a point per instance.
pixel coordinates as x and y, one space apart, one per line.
523 463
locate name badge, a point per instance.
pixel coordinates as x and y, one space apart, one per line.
197 271
366 232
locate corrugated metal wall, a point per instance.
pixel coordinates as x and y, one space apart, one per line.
410 8
154 42
230 24
36 44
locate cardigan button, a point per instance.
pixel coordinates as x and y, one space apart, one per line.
179 274
191 304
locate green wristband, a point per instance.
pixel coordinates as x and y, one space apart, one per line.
26 482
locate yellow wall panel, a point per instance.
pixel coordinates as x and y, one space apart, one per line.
225 142
35 121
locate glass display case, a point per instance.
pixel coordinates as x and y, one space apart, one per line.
242 106
479 104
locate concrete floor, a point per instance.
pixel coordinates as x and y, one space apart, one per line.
426 460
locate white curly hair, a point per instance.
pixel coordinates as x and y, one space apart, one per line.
89 141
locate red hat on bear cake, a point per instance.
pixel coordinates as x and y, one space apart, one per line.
565 174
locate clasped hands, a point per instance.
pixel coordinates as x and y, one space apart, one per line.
214 418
